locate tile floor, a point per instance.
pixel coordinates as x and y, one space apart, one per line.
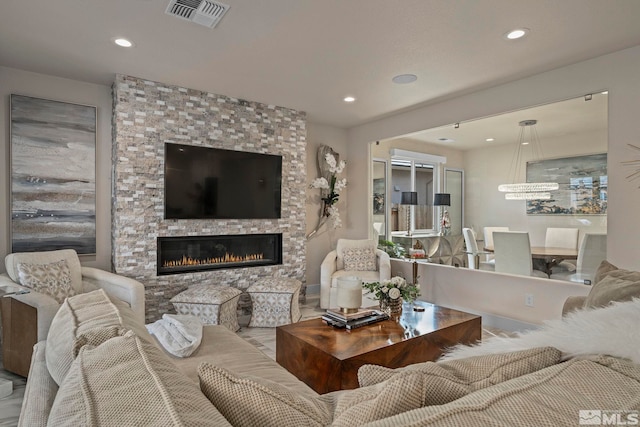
10 406
263 338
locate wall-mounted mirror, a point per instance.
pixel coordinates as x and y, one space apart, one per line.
573 137
454 186
379 192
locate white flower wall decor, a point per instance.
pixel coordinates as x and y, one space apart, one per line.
330 185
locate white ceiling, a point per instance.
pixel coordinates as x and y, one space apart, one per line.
568 117
309 54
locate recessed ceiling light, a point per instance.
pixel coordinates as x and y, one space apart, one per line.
122 42
349 99
606 92
518 33
403 79
489 139
525 143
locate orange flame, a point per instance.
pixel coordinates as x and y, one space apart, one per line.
227 258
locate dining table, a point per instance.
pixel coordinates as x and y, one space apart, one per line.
547 256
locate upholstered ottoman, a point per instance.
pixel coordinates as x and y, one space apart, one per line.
214 305
275 302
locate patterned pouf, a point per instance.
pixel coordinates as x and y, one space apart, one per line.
214 305
275 302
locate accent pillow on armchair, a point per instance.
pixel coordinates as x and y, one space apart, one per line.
356 255
53 279
360 258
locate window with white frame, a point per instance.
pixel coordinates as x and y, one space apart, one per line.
420 173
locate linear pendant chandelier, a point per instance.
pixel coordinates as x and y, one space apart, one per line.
526 190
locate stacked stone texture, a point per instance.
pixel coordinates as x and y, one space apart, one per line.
157 298
146 115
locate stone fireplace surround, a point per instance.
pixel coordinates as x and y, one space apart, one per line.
148 114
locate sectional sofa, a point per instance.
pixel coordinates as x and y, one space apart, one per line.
99 366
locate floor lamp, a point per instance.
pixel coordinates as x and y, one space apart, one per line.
409 198
442 199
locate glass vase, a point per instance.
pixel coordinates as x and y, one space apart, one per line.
393 307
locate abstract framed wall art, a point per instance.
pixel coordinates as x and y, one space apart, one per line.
53 175
583 185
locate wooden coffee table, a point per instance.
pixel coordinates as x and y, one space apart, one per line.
327 359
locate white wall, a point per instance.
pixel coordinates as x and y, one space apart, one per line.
325 240
488 166
616 72
496 296
58 89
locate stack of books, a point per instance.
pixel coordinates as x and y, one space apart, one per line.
355 320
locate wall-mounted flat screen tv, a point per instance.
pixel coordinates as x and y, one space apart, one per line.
211 183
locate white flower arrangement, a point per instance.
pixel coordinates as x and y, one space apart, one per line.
333 187
320 183
394 288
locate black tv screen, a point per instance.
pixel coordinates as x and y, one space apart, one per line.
210 183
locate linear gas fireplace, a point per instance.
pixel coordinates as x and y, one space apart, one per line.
200 253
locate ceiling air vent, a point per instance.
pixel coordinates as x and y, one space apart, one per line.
203 12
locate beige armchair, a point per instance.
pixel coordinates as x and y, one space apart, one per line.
359 258
26 317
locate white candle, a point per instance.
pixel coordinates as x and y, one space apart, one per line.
349 292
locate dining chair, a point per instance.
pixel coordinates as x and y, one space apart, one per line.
512 250
488 235
473 254
488 241
561 238
592 251
566 238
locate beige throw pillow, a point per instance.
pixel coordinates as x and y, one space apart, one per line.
356 255
616 285
453 379
53 279
604 269
404 392
127 381
253 401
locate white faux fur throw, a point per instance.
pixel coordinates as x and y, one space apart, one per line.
612 330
